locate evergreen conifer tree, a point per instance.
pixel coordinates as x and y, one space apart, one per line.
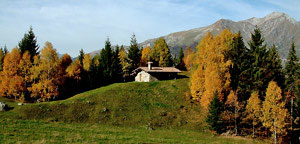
258 54
134 53
106 60
214 114
81 56
29 43
292 90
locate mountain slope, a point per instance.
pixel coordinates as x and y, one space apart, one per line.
277 28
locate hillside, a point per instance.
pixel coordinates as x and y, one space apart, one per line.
277 28
154 104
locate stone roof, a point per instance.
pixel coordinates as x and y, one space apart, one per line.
160 69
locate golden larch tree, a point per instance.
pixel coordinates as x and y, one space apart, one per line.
189 57
46 71
253 110
12 83
274 112
232 111
211 71
145 55
25 71
125 62
87 61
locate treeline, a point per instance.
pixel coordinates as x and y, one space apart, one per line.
245 91
30 75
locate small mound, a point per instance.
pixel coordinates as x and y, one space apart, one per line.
153 105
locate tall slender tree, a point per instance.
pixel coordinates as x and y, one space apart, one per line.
134 53
292 75
258 54
274 111
214 114
29 43
106 60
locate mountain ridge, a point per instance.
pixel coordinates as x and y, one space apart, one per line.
277 28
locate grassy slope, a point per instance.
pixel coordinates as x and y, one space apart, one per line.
93 116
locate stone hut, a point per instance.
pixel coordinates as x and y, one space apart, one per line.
149 74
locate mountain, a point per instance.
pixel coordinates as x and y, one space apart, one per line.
277 28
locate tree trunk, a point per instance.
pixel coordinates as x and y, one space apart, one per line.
275 134
253 128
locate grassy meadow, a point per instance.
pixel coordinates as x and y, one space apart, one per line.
155 112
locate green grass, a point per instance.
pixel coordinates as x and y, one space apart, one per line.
118 113
155 104
29 131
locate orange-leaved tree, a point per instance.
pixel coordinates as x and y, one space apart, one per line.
12 83
211 71
25 72
232 113
145 55
45 74
274 111
253 110
189 57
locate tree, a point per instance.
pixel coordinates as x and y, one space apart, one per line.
125 63
1 59
145 55
180 62
273 111
106 60
65 83
214 114
292 89
238 54
81 56
273 68
46 72
212 68
86 62
189 57
232 111
25 72
160 54
12 84
29 43
253 110
134 53
116 66
257 58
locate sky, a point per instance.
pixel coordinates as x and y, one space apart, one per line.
71 25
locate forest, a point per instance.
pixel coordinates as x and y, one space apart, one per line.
242 88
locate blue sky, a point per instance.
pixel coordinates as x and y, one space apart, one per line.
74 24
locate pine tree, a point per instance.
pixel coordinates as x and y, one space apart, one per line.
116 65
81 56
292 90
134 53
29 43
238 54
273 68
257 59
106 60
274 111
214 114
180 62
